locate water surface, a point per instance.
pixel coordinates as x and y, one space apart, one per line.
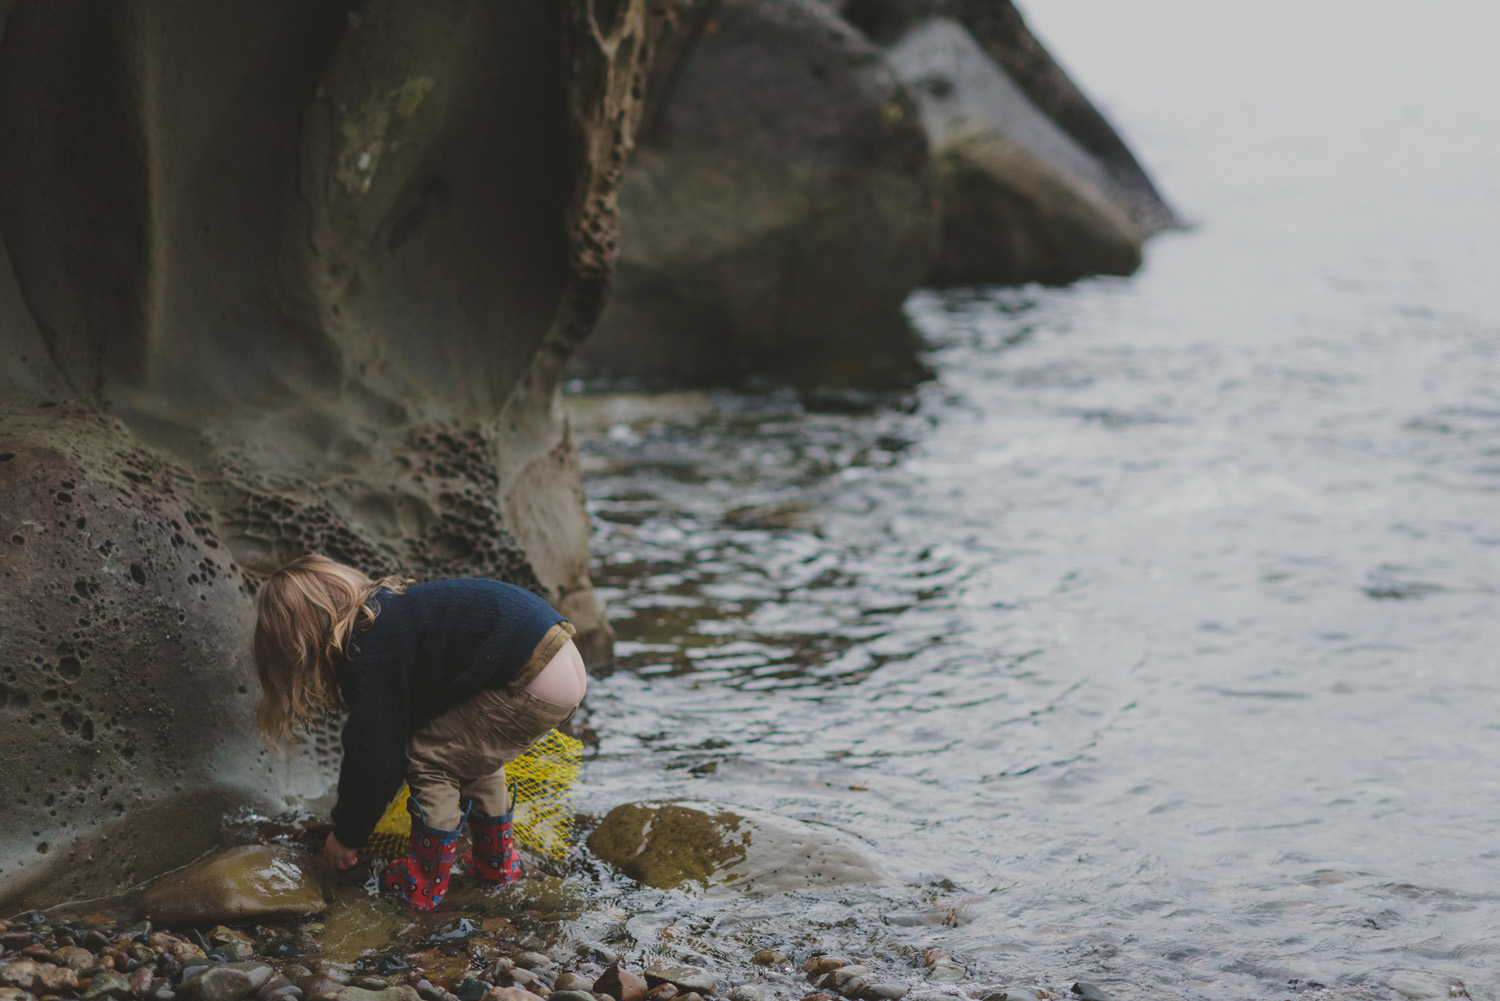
1153 641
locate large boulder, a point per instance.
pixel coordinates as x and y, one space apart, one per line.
708 845
778 208
321 265
1021 199
1011 217
977 59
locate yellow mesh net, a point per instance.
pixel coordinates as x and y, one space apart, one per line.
541 786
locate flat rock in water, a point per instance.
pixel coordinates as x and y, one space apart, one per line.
402 992
667 844
1090 992
684 978
1419 984
253 881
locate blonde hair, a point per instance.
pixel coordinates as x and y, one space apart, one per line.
304 615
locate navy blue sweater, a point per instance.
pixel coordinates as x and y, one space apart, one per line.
430 648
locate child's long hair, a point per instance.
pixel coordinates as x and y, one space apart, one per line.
304 616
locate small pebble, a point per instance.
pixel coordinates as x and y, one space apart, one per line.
533 960
749 992
883 992
816 966
369 983
770 957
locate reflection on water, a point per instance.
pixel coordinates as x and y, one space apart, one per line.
1151 642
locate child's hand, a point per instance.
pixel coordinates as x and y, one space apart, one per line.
337 855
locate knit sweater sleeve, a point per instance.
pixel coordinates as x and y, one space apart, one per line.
374 740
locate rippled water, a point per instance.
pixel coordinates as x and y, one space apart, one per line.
1154 640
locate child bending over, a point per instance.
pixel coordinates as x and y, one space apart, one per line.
444 683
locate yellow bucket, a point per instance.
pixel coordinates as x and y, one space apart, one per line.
541 787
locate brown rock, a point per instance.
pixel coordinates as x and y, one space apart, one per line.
816 966
662 992
621 984
140 981
252 881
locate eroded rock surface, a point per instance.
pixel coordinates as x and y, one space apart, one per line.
681 842
321 266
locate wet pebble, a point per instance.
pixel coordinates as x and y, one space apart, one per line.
403 992
770 957
749 992
141 980
533 960
663 992
370 983
471 990
1093 992
883 992
817 966
570 995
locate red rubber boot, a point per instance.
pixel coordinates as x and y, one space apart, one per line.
493 855
421 879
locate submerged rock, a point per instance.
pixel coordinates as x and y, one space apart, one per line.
254 881
669 844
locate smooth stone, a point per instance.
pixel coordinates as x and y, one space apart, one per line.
522 978
575 982
1419 984
883 992
570 995
259 973
95 940
14 994
107 984
318 984
510 994
533 960
285 992
749 992
370 983
326 995
1091 992
74 958
621 984
663 992
249 882
219 983
770 957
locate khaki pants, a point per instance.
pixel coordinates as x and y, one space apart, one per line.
462 754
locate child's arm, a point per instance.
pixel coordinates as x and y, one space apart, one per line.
374 742
337 855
